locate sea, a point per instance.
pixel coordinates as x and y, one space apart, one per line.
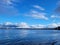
29 37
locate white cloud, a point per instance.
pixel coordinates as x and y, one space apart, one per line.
7 8
38 7
23 25
6 3
55 16
38 26
58 24
8 23
38 15
9 2
41 26
53 25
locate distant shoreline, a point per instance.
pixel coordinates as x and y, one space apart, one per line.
31 28
7 28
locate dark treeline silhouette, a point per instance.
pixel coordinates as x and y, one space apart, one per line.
57 28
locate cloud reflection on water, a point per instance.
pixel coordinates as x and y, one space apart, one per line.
24 33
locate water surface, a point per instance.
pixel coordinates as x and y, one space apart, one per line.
29 37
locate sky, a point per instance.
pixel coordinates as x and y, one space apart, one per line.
35 13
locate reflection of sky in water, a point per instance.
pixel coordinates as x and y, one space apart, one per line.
35 35
24 33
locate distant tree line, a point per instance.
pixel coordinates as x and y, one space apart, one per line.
57 28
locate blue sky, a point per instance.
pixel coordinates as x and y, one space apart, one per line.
31 12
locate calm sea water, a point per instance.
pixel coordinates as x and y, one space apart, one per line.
29 37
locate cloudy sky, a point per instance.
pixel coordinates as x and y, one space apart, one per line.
36 13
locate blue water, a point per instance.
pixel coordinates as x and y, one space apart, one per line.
29 37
